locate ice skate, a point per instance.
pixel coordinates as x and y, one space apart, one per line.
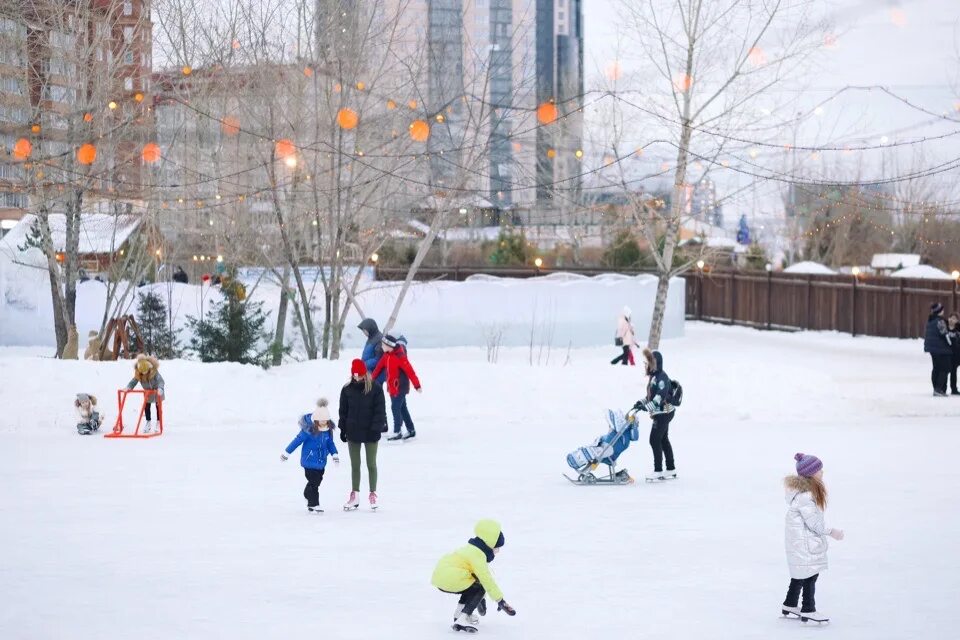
147 426
813 616
316 510
353 503
670 474
787 612
656 476
373 500
396 436
409 435
468 624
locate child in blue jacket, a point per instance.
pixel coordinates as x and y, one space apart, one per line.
317 441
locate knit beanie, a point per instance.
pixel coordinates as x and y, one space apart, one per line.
358 368
389 340
807 466
936 308
321 414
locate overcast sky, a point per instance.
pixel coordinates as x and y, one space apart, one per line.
908 46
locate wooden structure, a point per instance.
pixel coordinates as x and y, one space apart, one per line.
123 338
858 305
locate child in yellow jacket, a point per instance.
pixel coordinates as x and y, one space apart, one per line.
466 572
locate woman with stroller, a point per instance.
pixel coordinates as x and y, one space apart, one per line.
659 405
624 339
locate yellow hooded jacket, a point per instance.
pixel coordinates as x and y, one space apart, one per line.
458 570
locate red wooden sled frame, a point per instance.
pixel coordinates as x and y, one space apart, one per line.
122 399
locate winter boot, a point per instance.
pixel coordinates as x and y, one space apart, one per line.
813 616
373 500
396 436
353 502
466 623
147 426
786 611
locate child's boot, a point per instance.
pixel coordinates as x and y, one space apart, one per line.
352 502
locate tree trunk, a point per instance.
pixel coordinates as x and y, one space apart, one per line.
71 262
281 318
412 271
327 298
60 323
659 309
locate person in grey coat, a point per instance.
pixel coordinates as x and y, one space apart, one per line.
146 372
806 536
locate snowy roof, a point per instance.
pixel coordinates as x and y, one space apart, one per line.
99 232
894 260
809 267
924 271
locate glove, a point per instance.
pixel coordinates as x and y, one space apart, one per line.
336 459
343 436
503 606
420 390
283 457
836 534
641 405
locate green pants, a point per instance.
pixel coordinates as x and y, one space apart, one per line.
371 448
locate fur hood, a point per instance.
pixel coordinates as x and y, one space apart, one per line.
83 397
654 360
153 369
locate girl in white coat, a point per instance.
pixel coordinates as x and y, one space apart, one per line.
624 338
806 536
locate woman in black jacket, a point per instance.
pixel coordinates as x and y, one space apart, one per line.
953 330
363 417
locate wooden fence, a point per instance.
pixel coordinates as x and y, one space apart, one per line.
871 305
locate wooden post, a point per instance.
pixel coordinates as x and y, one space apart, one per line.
769 298
853 309
809 302
733 298
700 294
900 305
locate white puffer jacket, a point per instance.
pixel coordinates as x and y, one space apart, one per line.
806 535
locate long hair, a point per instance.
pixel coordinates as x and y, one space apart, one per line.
804 484
367 383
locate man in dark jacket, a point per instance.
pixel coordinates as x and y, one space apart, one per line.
658 403
372 350
936 342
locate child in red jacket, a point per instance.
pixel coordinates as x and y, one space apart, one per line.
400 374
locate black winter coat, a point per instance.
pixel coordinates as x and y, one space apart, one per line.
363 416
935 338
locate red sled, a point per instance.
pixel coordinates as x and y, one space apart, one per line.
118 430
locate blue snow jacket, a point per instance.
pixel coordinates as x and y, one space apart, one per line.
316 447
372 350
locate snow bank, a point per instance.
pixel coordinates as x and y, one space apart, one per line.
923 271
555 310
810 268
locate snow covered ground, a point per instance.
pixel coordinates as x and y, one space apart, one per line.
203 533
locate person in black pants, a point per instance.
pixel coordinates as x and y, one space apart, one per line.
936 342
953 330
658 403
809 587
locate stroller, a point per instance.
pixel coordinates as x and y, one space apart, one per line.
622 431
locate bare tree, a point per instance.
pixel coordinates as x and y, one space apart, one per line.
711 64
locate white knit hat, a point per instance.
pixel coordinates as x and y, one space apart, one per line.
321 413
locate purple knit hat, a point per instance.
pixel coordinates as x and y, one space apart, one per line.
807 466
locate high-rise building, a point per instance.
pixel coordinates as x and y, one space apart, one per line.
506 57
70 74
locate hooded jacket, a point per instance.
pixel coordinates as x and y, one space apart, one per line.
316 447
935 340
363 416
805 534
151 380
372 350
659 387
456 571
394 362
